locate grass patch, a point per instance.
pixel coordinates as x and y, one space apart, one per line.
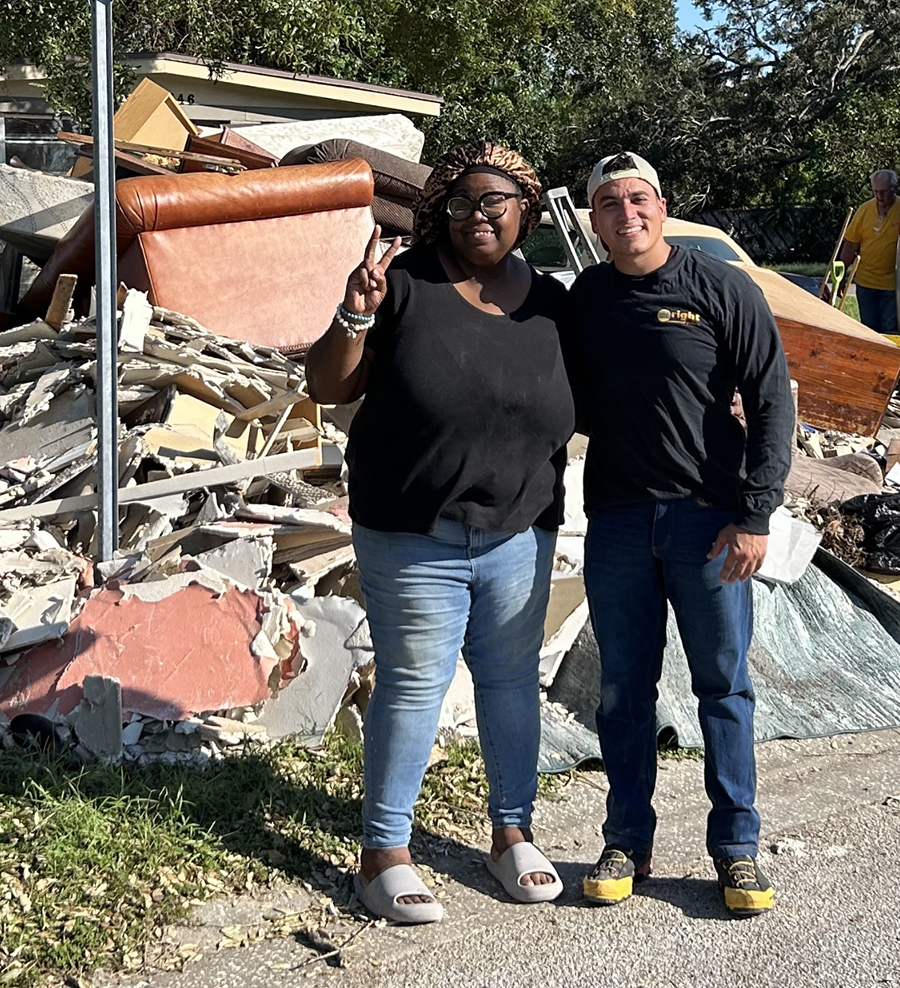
851 307
814 269
95 863
671 752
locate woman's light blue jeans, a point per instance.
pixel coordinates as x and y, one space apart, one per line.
427 598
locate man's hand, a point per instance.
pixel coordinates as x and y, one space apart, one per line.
746 553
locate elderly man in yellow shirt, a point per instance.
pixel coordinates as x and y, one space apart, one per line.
872 234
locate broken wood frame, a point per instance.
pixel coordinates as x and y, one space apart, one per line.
87 142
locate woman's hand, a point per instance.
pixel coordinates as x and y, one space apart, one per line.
366 286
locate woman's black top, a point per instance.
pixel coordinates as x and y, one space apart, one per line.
466 414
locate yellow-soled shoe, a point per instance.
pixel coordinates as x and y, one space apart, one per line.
615 874
747 890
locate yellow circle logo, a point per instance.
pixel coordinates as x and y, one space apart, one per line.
664 315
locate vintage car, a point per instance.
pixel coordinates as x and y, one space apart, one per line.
846 373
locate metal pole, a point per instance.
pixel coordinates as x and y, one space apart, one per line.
107 283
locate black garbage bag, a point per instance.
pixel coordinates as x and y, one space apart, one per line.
879 515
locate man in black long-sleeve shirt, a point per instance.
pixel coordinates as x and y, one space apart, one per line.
678 500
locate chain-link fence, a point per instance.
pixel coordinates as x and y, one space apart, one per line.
779 234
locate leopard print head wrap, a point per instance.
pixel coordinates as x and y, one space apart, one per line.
429 207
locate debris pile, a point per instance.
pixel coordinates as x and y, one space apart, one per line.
231 615
224 542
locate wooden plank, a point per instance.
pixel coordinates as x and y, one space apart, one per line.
61 301
216 477
845 382
200 148
131 162
273 406
837 248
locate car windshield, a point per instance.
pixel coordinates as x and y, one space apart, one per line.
708 245
545 251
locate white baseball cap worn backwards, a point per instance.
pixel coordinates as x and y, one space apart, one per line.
625 164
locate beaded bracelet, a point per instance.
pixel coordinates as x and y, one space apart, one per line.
354 316
352 323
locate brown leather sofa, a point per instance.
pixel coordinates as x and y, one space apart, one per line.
261 256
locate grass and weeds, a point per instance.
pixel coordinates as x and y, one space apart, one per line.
851 307
669 750
95 863
812 269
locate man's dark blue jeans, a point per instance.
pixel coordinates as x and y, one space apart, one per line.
877 309
637 558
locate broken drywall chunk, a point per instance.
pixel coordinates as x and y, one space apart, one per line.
182 654
124 566
458 707
131 733
245 561
136 315
154 591
575 521
42 541
307 706
97 720
67 423
7 629
303 517
39 614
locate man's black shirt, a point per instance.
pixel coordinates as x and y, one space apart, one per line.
656 360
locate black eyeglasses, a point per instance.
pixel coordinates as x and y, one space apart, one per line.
620 163
491 204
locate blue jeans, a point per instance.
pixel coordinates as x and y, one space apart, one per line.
877 309
427 598
636 558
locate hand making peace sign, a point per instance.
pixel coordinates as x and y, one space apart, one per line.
366 286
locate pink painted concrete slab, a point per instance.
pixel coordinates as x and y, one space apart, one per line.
186 653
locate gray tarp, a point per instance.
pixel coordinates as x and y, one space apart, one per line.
825 660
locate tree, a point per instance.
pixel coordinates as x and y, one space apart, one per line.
802 98
530 73
307 36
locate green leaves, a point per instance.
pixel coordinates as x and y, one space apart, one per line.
778 101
